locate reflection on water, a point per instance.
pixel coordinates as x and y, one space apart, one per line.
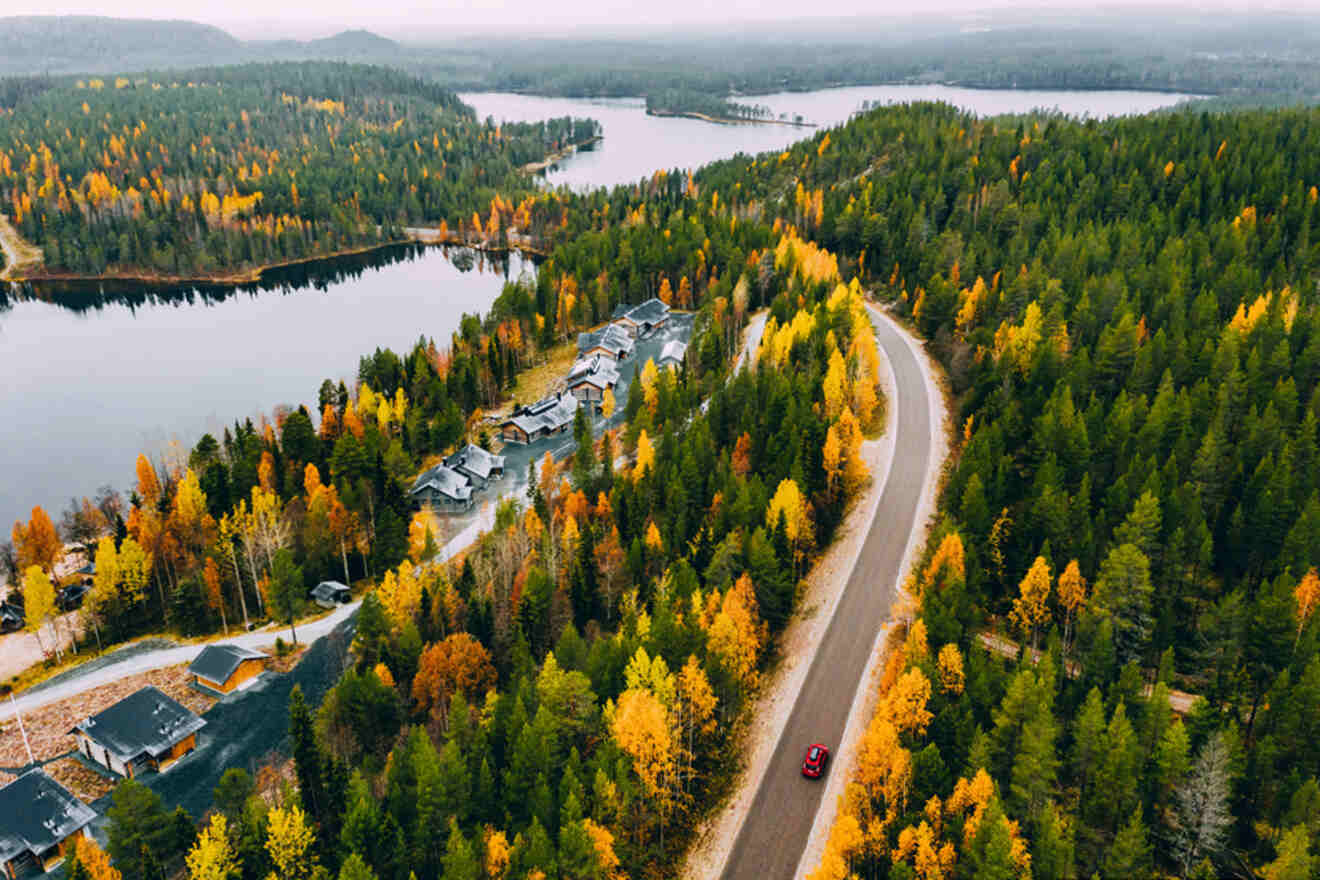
85 295
93 374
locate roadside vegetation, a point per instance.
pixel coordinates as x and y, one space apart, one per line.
1127 314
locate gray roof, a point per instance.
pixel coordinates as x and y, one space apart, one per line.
653 311
445 480
673 352
597 371
218 662
328 590
547 414
611 337
36 813
475 461
146 722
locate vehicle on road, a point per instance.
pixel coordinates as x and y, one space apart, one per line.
813 765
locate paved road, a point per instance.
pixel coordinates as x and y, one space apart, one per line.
775 832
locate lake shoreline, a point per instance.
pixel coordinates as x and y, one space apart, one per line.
423 235
724 120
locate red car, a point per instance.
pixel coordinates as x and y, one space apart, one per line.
814 764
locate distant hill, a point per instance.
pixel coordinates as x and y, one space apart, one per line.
36 44
356 41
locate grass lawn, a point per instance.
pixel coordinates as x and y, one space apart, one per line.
540 380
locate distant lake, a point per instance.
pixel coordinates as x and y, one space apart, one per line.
635 144
91 376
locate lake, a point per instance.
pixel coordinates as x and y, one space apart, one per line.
91 378
635 144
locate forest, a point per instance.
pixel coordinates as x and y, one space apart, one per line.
613 623
1112 667
216 172
1127 315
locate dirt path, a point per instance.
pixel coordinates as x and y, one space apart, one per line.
19 255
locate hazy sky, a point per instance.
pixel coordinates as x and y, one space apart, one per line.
312 18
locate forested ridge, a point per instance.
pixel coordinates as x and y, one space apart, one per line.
214 172
1127 313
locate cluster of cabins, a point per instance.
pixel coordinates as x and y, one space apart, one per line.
600 352
145 731
449 486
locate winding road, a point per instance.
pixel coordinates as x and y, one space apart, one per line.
777 828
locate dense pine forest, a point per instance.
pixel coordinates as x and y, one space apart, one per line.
213 172
1127 313
562 702
1112 667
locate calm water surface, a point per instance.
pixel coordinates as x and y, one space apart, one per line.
88 381
635 144
83 391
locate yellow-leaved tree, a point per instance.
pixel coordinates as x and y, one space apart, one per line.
289 841
95 862
1029 608
1072 596
39 606
645 456
212 857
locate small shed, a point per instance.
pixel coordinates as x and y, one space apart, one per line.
39 820
328 594
146 730
225 668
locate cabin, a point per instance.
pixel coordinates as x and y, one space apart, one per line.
225 668
11 617
144 731
671 356
591 377
477 464
643 319
545 418
612 341
39 820
87 574
444 489
328 594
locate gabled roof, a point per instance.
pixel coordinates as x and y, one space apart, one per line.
36 813
653 311
598 372
549 413
673 351
328 590
445 480
475 461
611 338
145 722
218 662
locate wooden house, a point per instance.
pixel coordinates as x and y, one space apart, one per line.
643 319
144 731
444 489
225 668
545 418
591 377
39 820
477 464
